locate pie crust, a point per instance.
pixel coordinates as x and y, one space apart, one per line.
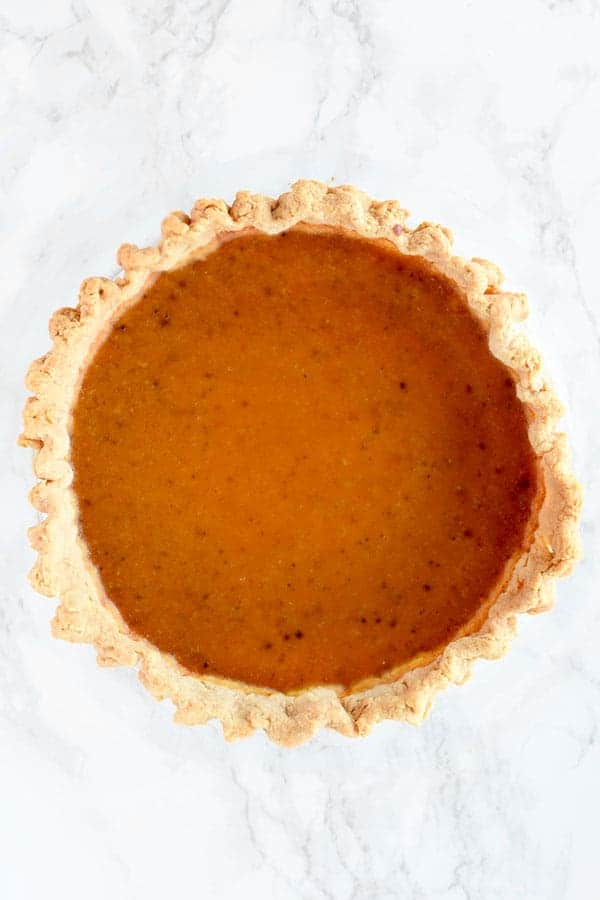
63 567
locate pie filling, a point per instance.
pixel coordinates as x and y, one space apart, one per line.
297 462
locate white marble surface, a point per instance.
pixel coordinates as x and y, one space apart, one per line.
482 115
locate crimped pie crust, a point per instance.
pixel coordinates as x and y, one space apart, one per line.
63 568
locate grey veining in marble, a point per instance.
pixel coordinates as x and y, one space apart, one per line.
482 115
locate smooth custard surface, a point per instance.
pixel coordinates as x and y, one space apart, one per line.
297 462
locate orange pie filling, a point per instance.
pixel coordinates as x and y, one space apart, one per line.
297 462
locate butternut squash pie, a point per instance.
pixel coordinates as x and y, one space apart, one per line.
297 464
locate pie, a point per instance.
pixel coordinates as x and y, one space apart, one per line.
297 464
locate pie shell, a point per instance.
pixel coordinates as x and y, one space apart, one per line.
63 568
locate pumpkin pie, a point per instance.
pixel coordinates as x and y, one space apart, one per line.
297 465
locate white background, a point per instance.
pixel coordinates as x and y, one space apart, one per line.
481 115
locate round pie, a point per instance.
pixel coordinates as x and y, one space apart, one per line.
297 464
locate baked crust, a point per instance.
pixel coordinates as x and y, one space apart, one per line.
63 568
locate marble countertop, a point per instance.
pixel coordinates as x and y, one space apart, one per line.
482 115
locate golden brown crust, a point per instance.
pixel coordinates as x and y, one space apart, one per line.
63 568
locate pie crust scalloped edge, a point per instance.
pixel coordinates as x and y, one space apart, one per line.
63 568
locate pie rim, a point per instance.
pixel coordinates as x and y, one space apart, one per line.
63 568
